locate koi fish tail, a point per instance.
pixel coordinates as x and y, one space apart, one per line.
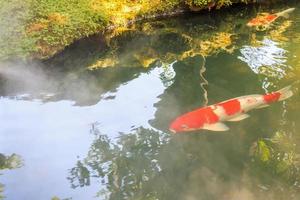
285 13
285 93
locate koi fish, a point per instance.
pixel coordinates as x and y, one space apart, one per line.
267 19
212 117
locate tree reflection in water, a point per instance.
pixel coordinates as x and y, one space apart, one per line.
148 164
13 161
128 168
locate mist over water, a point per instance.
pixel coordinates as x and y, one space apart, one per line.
90 125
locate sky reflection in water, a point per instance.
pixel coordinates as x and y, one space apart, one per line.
267 58
32 127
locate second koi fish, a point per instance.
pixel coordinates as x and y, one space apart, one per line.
212 117
267 19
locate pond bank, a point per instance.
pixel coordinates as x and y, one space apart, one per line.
41 29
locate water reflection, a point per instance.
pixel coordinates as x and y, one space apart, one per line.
149 164
146 164
10 162
267 59
13 161
32 80
126 168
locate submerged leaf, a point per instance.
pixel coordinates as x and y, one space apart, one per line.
264 152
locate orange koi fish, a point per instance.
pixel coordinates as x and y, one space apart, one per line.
212 117
267 19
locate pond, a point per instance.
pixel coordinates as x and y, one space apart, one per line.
92 122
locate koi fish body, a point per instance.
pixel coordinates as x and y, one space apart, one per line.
212 117
267 19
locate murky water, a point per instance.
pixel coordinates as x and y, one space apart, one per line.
90 124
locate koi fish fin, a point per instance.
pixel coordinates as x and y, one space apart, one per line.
262 106
216 127
285 93
239 118
285 13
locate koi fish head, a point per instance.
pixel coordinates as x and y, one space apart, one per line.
179 125
194 120
256 22
253 22
183 124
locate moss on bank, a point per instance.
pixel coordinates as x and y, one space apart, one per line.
41 28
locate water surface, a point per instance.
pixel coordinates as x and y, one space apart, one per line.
89 124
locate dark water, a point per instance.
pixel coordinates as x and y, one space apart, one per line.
91 124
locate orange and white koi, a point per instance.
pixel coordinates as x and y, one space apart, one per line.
267 19
212 117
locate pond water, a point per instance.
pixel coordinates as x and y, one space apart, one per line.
93 124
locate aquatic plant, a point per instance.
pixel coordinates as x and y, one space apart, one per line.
277 155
